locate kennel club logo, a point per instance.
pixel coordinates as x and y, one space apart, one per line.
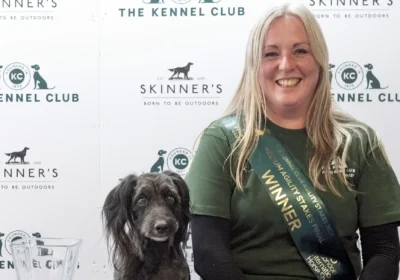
182 87
38 10
20 174
351 9
177 8
28 84
354 82
177 160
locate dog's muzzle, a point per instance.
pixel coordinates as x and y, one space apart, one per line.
163 229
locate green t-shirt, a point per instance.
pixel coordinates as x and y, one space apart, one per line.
260 242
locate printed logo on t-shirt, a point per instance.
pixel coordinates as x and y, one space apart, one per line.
335 166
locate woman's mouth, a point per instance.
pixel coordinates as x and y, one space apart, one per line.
288 82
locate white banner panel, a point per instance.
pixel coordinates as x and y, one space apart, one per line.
100 89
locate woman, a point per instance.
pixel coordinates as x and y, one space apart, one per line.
244 225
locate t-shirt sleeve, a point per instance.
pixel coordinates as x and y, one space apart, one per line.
209 180
379 198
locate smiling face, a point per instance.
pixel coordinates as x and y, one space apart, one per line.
289 73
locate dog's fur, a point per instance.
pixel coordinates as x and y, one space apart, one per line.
372 81
146 220
38 79
185 70
15 155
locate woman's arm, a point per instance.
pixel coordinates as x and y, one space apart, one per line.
212 257
381 252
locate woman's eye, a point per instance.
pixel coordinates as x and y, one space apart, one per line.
170 199
142 201
271 54
301 51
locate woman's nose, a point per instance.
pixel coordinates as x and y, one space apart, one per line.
286 63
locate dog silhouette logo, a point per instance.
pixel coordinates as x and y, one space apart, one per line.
1 244
178 70
40 83
158 166
14 155
16 76
154 2
331 66
372 81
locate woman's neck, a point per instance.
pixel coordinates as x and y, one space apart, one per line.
289 121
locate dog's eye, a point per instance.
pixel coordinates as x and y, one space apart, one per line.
170 199
142 201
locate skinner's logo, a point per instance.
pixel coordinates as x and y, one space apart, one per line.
178 70
178 161
17 155
19 174
183 87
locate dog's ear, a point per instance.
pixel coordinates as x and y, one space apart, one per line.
182 233
119 201
116 215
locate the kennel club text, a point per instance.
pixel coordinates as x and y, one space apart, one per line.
182 12
35 97
49 264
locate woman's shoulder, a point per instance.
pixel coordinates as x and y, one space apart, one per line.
222 127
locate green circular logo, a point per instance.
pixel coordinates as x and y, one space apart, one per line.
16 76
179 160
349 75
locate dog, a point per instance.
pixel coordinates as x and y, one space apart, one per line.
158 166
1 243
185 70
38 79
331 66
146 221
371 79
16 155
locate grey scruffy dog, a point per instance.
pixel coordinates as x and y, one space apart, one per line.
146 220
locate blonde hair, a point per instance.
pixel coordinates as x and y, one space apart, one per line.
330 131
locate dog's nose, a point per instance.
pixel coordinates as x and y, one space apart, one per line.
161 227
